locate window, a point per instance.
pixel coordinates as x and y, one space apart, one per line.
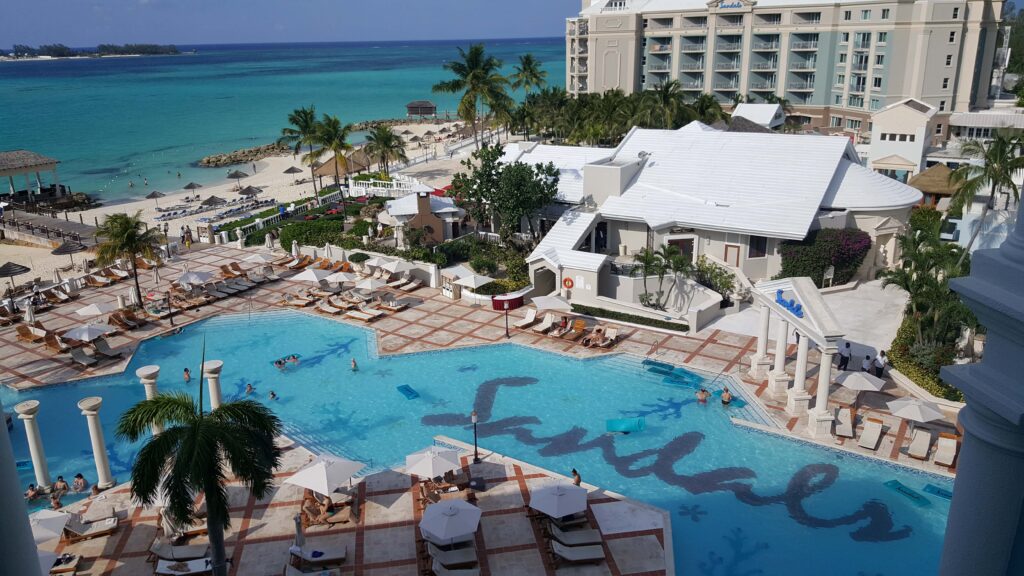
876 83
903 137
758 247
942 105
876 104
844 37
842 58
847 15
840 79
952 37
945 83
838 99
835 121
949 59
938 129
879 59
866 15
883 37
852 124
885 13
911 137
956 13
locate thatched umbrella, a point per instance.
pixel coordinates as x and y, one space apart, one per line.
294 170
444 130
154 195
214 201
192 186
250 191
238 175
429 133
12 269
406 132
69 247
415 139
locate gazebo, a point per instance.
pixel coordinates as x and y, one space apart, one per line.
18 163
355 162
934 183
421 108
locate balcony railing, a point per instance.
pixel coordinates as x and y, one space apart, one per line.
802 86
762 86
726 86
727 66
729 46
694 47
687 24
660 48
858 88
691 66
658 68
693 85
813 45
766 45
862 45
859 66
765 66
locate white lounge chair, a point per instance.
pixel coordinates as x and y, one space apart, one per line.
411 286
844 423
450 558
182 568
545 324
582 537
290 570
871 435
162 550
611 336
328 309
529 320
311 554
439 570
946 449
360 315
77 529
80 357
578 554
920 443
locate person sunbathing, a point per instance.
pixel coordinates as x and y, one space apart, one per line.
79 484
594 338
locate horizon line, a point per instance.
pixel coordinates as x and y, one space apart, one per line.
304 43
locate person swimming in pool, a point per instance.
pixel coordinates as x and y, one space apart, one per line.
249 389
79 484
279 364
293 359
355 367
726 396
273 396
703 395
188 375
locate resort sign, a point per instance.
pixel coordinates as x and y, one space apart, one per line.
728 5
794 307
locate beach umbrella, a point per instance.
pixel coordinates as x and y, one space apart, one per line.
429 133
397 266
260 258
47 525
46 561
371 284
154 195
88 332
444 130
432 462
268 242
474 281
11 269
314 275
69 247
342 277
325 474
294 170
237 176
249 191
194 278
554 303
860 381
214 201
96 309
192 186
415 139
450 519
295 249
376 261
559 499
406 132
915 409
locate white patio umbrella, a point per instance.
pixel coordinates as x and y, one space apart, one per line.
342 277
474 281
268 242
860 381
397 266
47 525
194 278
326 473
376 261
559 499
555 303
261 258
88 332
96 309
371 284
46 561
133 297
915 409
314 275
450 519
432 462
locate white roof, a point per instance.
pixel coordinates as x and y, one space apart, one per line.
914 104
635 6
559 245
767 115
569 160
987 119
862 189
406 205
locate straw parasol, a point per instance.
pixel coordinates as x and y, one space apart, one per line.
415 139
214 201
429 133
293 170
935 181
406 132
444 130
237 176
69 248
154 195
192 186
250 191
12 269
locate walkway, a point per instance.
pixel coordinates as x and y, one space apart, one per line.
54 230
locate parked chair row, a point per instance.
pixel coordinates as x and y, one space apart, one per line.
947 446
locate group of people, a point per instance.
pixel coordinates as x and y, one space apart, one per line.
59 489
282 363
875 366
184 233
703 395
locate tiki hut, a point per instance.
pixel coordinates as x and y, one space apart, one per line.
355 162
934 184
420 108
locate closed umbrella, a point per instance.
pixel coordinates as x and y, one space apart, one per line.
554 303
450 519
11 269
57 280
474 281
89 332
432 462
314 275
558 500
96 309
326 473
371 284
194 278
295 249
30 312
860 381
915 409
47 525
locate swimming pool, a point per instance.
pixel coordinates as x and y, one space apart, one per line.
740 499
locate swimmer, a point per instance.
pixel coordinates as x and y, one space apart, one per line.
355 367
188 375
293 359
726 396
272 395
279 364
702 396
249 389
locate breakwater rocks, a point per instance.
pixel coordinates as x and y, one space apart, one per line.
244 156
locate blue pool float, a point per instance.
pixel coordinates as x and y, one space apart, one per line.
625 425
940 492
407 391
911 494
23 464
282 359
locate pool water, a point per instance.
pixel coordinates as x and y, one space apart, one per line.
741 500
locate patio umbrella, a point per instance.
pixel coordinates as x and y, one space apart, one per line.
69 247
406 132
96 309
325 474
12 269
192 186
294 170
214 201
47 525
46 561
89 332
450 519
237 175
860 381
914 409
314 275
295 249
474 281
154 195
432 462
250 191
415 139
397 266
342 277
371 284
194 278
376 261
558 499
444 130
260 258
429 133
555 303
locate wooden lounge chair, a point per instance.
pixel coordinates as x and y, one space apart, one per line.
844 422
227 272
545 324
121 322
920 443
77 529
82 358
946 449
439 570
145 264
236 268
317 556
302 263
162 550
360 315
337 266
577 554
298 301
582 537
411 286
328 309
7 317
25 334
871 435
57 344
529 320
95 281
131 317
577 329
400 281
452 558
183 567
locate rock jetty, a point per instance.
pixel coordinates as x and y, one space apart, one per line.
244 156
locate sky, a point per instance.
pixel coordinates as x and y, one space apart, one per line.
86 23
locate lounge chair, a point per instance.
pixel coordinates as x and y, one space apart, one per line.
82 358
131 317
328 309
302 263
182 567
225 288
400 281
77 529
545 324
57 344
467 540
920 443
394 306
452 558
529 320
115 274
7 317
871 435
946 449
611 336
577 330
97 281
411 286
121 322
316 555
102 347
290 570
25 334
162 550
145 263
360 315
844 422
439 570
569 522
298 301
227 272
582 537
577 554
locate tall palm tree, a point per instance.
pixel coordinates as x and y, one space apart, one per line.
708 109
383 144
663 107
528 74
332 136
478 77
302 132
127 236
195 453
646 263
999 160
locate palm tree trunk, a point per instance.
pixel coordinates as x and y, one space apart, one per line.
337 178
218 557
135 276
312 171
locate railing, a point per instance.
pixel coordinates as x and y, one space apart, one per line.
693 47
697 66
730 22
857 88
39 230
727 66
660 48
396 188
485 136
421 159
761 86
803 65
859 67
802 86
799 20
726 86
730 46
766 45
695 24
693 85
805 45
658 68
862 45
765 66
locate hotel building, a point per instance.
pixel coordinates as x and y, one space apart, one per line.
834 63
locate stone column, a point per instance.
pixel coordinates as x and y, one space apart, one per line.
985 530
148 375
211 369
759 361
17 547
91 410
778 380
819 420
27 413
797 398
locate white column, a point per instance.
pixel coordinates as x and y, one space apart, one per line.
778 380
148 375
819 420
797 398
17 547
759 361
91 410
27 413
211 369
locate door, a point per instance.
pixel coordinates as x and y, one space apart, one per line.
685 246
732 255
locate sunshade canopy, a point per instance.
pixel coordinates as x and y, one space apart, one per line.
154 195
97 309
432 462
914 409
342 277
68 247
293 170
47 525
194 278
238 174
556 303
250 191
192 186
13 269
261 258
557 500
214 201
450 519
376 261
371 284
326 473
474 281
860 381
311 275
88 332
396 266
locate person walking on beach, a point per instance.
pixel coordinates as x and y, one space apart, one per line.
844 357
253 167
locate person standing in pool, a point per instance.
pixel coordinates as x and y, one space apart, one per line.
279 364
355 367
55 503
726 396
293 359
703 395
60 487
273 396
79 484
249 389
188 376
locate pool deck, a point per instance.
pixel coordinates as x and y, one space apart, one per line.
384 538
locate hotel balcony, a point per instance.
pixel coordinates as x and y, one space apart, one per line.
806 66
801 87
579 70
813 45
691 66
766 46
764 66
693 47
727 86
858 88
859 67
727 67
693 85
729 46
694 25
762 86
862 45
659 68
660 48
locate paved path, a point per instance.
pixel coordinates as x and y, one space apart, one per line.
50 228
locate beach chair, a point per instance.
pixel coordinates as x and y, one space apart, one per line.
80 357
393 306
8 317
611 335
360 315
102 347
545 324
227 272
440 570
401 280
162 550
920 443
569 522
317 556
529 320
453 558
116 273
56 344
301 264
213 292
132 318
845 422
183 567
582 537
328 309
235 267
25 334
337 266
95 281
78 529
576 330
577 554
946 449
411 286
51 297
121 322
871 435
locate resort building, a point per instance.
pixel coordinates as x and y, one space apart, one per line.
834 63
728 196
437 216
25 166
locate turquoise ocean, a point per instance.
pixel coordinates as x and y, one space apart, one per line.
111 120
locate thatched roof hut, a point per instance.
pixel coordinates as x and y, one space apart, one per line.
934 183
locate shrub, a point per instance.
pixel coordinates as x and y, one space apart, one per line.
844 249
358 257
484 265
370 211
711 275
361 228
311 233
353 209
516 268
908 358
924 218
501 286
623 317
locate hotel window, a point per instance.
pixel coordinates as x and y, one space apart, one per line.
879 59
952 37
758 247
938 129
848 15
885 13
839 99
949 59
942 105
842 58
876 83
912 137
835 122
852 124
840 79
956 13
945 83
866 15
875 105
883 37
903 137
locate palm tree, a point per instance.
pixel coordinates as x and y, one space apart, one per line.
383 144
301 132
663 107
999 160
478 77
127 237
195 453
528 74
646 263
708 109
332 136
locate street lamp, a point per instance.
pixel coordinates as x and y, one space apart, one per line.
505 302
476 452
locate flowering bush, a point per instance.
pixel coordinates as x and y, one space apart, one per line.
844 249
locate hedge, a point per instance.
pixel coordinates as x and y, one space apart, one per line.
623 317
311 233
844 249
501 286
358 257
900 358
360 228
